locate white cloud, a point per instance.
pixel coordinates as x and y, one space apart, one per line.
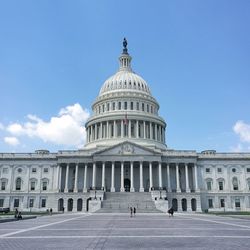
1 126
13 141
243 130
67 128
238 148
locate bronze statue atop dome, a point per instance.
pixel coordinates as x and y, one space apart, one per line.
125 43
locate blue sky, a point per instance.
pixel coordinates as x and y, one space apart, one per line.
55 56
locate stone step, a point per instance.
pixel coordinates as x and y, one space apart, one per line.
120 202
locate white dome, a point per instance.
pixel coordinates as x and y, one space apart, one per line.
125 80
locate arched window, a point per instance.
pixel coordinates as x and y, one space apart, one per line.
235 183
18 183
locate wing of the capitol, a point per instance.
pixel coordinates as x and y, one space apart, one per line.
125 162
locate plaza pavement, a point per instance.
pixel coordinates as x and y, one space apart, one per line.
119 231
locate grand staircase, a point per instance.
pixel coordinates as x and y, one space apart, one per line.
121 203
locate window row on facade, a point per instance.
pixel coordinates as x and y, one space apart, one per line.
33 184
209 170
20 170
125 105
17 202
233 185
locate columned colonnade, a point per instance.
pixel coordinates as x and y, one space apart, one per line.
126 128
176 178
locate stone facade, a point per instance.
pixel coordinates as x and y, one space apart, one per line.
125 151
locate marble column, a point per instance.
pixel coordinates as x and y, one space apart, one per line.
160 175
122 128
141 177
137 129
107 129
95 131
94 176
85 178
187 180
66 188
115 130
76 180
129 128
144 129
196 188
59 177
103 176
151 131
156 137
122 177
112 189
150 176
178 189
101 135
132 189
168 178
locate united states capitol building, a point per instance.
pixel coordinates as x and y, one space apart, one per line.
125 162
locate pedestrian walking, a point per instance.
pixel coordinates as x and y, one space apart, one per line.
16 213
131 211
50 211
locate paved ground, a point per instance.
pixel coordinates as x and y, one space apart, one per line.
119 231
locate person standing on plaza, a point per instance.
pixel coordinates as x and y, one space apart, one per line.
131 211
134 211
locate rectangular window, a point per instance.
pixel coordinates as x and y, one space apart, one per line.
43 203
220 185
45 170
222 203
248 170
147 108
1 202
131 105
237 203
125 105
31 204
32 185
108 107
219 170
33 170
142 106
207 170
137 106
44 185
152 109
119 105
113 105
209 185
16 202
103 108
5 170
210 203
3 185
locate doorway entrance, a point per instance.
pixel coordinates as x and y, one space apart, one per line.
127 185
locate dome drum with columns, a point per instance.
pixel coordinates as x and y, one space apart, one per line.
125 109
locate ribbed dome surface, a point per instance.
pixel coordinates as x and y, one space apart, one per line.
125 80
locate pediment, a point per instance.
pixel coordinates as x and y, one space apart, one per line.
126 148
